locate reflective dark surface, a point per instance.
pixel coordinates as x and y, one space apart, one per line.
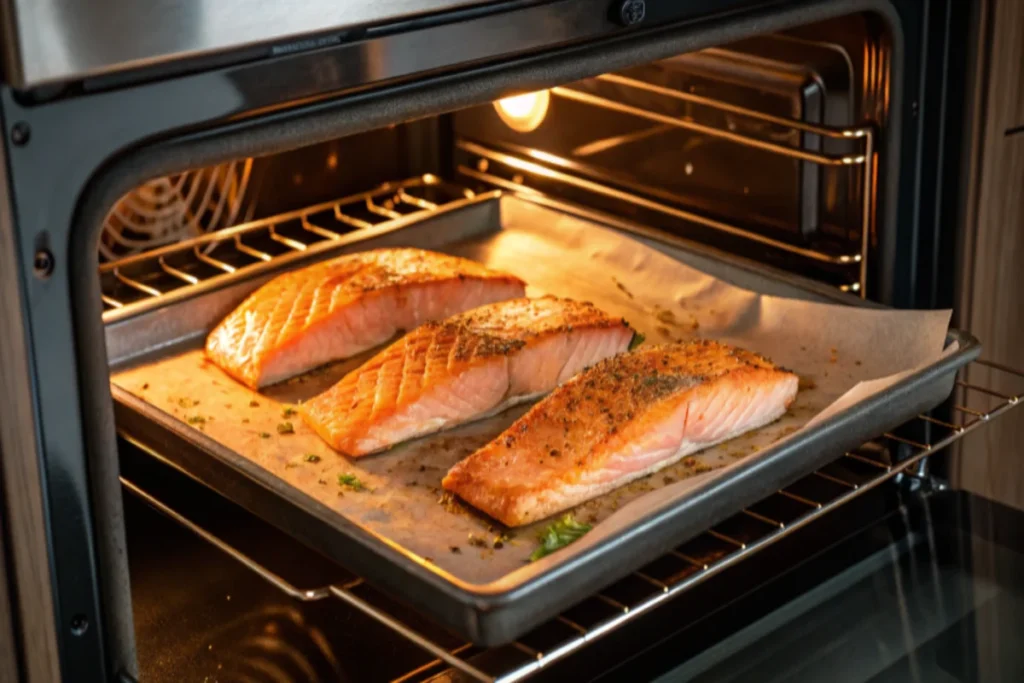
905 614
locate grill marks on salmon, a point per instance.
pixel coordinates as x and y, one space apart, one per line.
338 308
467 367
622 419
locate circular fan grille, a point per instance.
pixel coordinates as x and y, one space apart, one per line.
175 207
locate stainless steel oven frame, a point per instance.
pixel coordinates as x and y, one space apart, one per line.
72 149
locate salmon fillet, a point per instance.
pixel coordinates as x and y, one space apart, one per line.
338 308
464 368
623 418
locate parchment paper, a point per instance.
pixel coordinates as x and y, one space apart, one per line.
835 349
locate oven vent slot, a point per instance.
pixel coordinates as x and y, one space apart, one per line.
527 169
130 282
901 453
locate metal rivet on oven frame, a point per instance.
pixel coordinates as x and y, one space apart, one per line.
20 133
42 264
629 12
79 625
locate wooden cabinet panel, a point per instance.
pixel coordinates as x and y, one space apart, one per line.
991 459
1007 71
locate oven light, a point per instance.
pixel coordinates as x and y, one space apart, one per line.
524 113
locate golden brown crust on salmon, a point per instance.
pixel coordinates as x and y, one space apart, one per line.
337 308
620 419
446 373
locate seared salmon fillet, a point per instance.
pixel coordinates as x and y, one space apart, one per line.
464 368
338 308
621 419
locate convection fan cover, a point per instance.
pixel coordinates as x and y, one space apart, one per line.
176 207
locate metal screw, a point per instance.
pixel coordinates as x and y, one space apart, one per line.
630 12
42 264
79 625
20 133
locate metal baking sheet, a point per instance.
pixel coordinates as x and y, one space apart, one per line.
401 535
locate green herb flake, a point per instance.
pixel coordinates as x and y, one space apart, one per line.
351 481
637 340
560 534
285 428
288 411
264 435
311 457
187 402
197 420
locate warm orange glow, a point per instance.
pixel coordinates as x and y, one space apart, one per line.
523 113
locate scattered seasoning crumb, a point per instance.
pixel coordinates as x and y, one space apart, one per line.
311 457
664 331
285 428
695 325
430 560
145 386
351 481
689 462
806 383
264 435
500 540
456 550
187 402
476 541
856 362
423 468
668 480
701 469
288 411
322 481
254 404
197 420
666 317
245 420
622 287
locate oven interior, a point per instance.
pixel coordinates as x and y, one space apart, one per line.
761 148
772 150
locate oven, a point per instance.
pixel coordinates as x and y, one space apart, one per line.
159 165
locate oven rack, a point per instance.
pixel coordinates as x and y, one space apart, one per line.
891 455
130 284
544 165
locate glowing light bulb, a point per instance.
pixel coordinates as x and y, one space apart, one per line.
524 113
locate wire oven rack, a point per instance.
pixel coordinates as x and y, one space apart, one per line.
132 282
852 474
486 163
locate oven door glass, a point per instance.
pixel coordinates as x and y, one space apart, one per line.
945 604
